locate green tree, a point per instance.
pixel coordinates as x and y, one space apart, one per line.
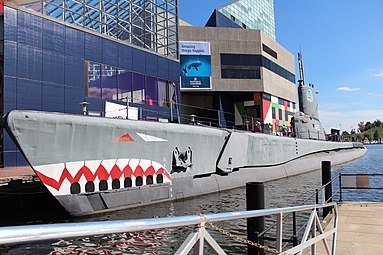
377 123
376 135
358 137
367 135
345 136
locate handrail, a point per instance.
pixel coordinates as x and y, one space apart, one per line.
33 233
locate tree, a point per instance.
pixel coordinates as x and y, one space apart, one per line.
345 136
376 135
367 135
367 126
358 137
377 123
361 126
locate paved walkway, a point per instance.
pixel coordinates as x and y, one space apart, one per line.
360 229
13 173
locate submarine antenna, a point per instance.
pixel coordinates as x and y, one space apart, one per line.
301 80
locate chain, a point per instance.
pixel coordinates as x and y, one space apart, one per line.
241 239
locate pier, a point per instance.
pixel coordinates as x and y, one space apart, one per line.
360 229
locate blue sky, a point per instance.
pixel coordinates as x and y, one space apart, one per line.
342 46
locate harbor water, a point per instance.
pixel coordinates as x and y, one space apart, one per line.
280 193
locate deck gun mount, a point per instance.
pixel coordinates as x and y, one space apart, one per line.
306 123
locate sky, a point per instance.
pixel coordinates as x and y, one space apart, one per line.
342 46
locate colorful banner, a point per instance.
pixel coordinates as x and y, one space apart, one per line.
195 63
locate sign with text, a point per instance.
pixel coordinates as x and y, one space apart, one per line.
195 63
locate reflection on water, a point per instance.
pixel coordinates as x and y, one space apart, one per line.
280 193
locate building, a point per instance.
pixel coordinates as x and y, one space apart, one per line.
248 14
249 78
56 54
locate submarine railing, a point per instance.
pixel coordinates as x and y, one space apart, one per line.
203 115
195 241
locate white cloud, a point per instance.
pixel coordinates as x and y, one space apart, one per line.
379 74
347 89
374 95
347 119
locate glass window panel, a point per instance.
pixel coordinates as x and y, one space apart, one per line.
109 83
34 7
151 91
162 93
94 3
53 11
172 93
138 88
125 85
94 80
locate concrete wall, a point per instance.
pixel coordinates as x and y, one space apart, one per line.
244 41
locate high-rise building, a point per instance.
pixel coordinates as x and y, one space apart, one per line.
249 14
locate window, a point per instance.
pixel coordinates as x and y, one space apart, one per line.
240 74
151 91
138 88
109 82
172 93
280 114
124 85
242 62
273 112
269 51
163 93
94 80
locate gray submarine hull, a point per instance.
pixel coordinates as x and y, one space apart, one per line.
94 164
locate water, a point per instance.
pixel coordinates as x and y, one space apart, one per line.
280 193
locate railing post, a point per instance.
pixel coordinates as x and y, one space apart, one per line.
295 237
255 199
340 187
279 235
326 180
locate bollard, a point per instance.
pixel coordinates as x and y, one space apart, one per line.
326 179
255 199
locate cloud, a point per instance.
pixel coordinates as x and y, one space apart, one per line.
347 89
374 95
347 119
379 74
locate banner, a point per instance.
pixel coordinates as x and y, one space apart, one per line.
195 63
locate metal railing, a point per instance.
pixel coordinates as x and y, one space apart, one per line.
196 239
359 181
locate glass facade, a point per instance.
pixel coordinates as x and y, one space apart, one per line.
51 66
151 24
252 14
117 84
